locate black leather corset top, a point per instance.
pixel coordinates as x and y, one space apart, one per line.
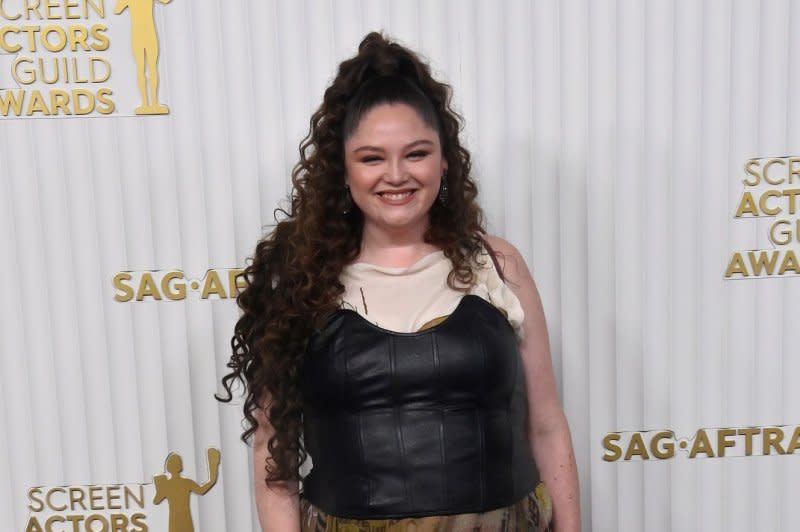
414 424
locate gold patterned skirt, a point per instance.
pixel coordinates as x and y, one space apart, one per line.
533 513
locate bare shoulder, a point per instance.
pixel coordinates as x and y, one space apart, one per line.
510 260
500 244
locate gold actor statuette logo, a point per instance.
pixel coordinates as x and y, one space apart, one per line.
176 489
144 43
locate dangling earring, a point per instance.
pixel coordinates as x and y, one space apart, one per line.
443 189
348 200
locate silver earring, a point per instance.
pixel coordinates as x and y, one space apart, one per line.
348 201
443 189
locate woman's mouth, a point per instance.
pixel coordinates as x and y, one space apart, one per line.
396 198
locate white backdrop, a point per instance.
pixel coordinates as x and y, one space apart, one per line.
610 139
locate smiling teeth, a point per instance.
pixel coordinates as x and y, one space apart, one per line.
396 196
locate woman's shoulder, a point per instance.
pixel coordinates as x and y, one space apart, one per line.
501 246
506 257
492 280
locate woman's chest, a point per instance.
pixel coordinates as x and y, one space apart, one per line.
471 358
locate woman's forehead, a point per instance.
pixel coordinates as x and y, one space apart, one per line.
394 123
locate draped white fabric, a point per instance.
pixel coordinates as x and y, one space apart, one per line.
609 140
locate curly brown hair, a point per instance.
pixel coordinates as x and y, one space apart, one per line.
292 282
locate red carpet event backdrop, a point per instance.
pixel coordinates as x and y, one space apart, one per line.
643 156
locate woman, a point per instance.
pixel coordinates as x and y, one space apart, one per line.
382 337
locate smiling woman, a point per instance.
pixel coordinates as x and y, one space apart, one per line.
379 337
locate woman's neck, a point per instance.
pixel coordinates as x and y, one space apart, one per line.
393 249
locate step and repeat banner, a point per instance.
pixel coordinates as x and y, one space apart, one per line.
643 156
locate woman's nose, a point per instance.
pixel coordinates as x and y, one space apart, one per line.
396 173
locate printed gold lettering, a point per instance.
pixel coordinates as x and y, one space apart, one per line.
68 5
765 173
125 291
32 7
95 495
791 193
762 201
4 42
737 265
667 450
6 15
130 495
792 170
794 443
78 35
236 281
94 70
33 525
750 167
179 291
11 101
94 518
789 263
105 103
59 101
32 497
61 38
48 525
138 519
748 434
76 520
36 104
119 523
76 498
761 262
79 107
613 451
747 205
213 285
701 444
49 10
98 6
724 441
112 495
30 32
771 439
785 236
49 499
101 41
636 447
21 73
147 287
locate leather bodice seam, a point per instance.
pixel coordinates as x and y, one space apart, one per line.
481 420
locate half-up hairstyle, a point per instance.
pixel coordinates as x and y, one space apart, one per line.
292 281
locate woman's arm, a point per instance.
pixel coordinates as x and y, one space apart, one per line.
548 429
278 504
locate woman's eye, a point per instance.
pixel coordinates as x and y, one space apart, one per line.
413 155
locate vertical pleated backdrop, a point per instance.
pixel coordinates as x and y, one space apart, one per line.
609 138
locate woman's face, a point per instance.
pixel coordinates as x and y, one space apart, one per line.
394 164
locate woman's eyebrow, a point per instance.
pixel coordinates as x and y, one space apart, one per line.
419 142
409 146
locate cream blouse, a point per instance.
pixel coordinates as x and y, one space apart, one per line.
412 298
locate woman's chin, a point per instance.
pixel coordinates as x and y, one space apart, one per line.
398 223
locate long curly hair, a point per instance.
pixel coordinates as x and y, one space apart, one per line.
292 282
